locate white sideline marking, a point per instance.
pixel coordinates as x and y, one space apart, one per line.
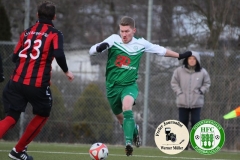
118 155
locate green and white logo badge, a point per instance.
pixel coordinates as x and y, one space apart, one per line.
207 137
171 137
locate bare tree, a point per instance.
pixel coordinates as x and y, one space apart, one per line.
216 15
165 33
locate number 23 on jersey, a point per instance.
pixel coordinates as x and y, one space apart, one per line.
37 44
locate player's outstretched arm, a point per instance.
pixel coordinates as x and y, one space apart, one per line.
98 48
171 53
103 46
63 65
70 75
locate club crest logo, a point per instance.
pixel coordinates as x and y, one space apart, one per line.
207 137
135 48
171 137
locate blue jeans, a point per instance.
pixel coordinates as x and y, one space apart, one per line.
184 115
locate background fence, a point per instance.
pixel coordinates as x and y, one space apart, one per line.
81 113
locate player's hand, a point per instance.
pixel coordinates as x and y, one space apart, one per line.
185 55
2 78
70 75
102 47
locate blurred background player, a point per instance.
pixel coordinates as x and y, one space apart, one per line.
30 82
190 82
124 54
2 78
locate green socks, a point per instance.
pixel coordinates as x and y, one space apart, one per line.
135 132
128 126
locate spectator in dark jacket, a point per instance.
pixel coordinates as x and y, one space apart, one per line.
190 82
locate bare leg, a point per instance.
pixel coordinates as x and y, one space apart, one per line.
120 118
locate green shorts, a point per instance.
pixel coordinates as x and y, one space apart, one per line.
116 94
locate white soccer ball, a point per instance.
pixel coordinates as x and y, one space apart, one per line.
98 151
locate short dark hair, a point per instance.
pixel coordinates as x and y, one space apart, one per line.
127 21
46 10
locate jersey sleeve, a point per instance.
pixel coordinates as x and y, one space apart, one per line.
18 48
58 45
109 40
153 48
59 52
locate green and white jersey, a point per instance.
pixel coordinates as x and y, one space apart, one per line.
123 59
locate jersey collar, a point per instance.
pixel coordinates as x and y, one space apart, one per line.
46 21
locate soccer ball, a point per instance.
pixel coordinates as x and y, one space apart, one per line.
98 151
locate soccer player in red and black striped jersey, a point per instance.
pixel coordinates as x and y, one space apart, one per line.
33 55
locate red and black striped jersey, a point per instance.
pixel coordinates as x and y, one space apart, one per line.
34 53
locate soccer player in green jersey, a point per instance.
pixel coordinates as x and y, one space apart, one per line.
124 54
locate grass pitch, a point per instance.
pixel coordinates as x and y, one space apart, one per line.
59 151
